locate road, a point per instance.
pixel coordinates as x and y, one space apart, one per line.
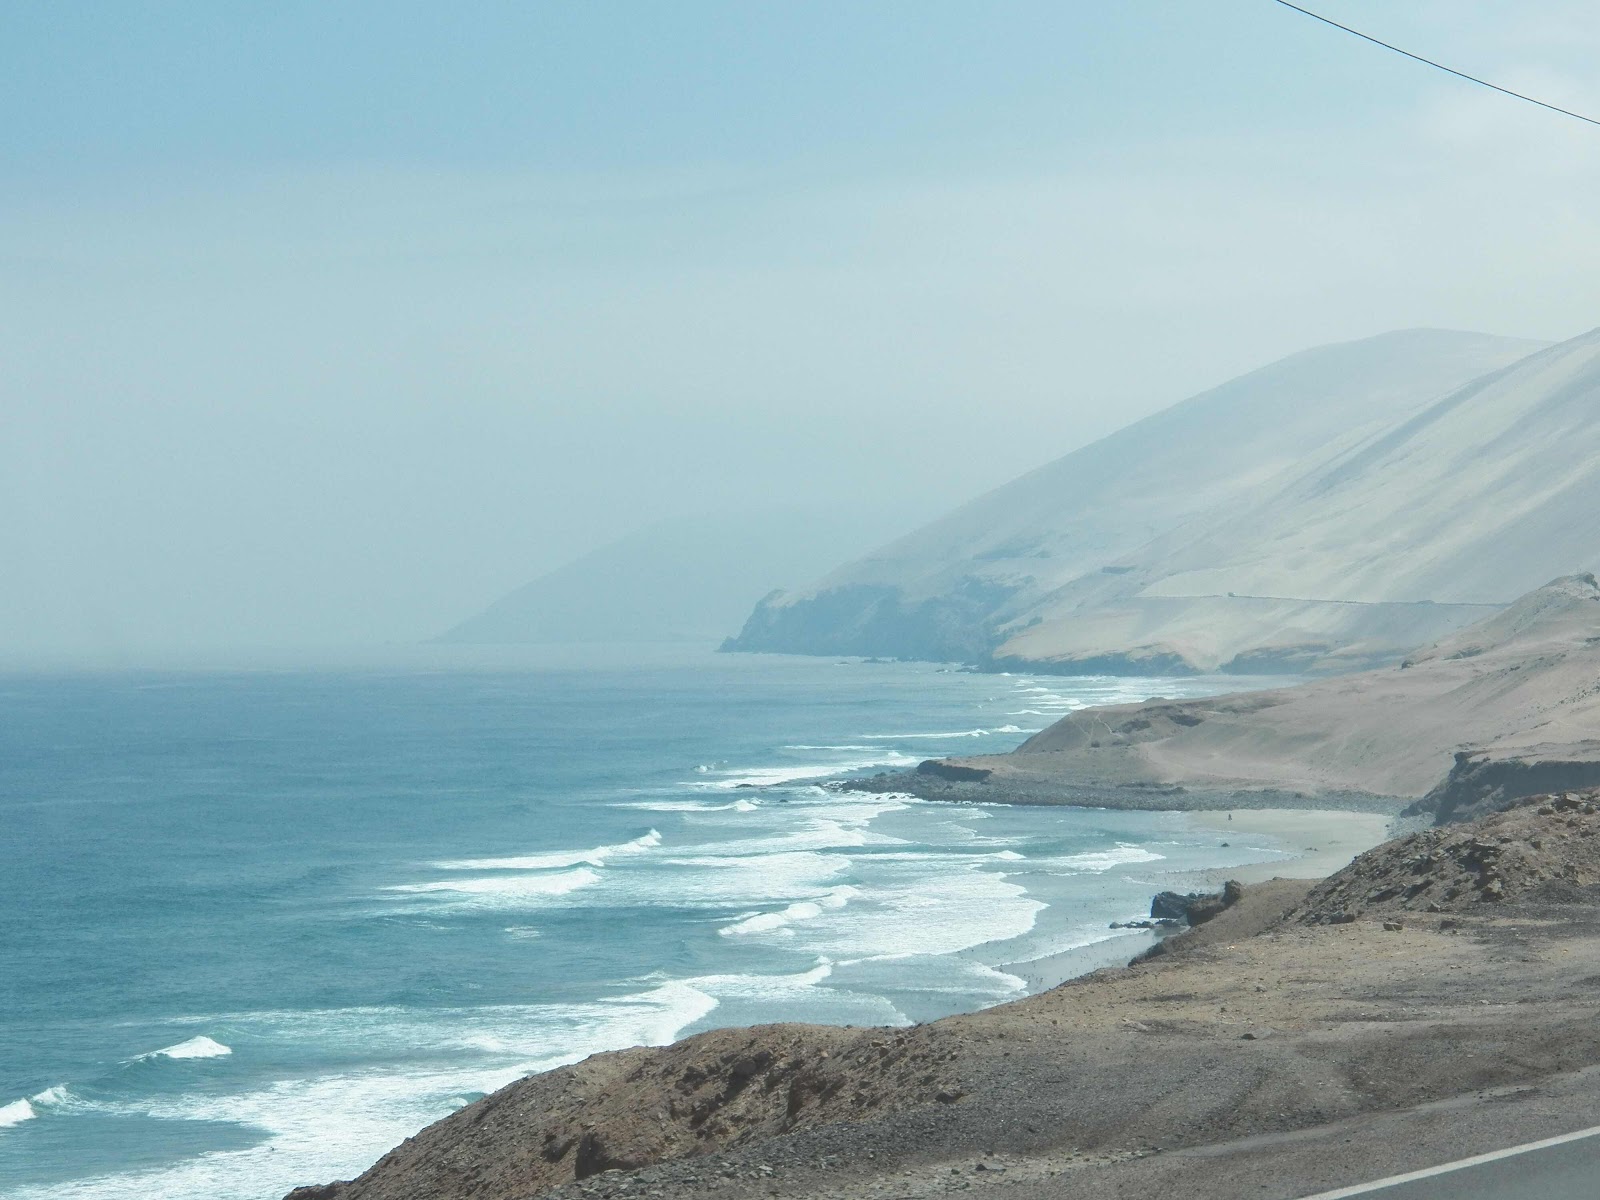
1538 1141
1560 1168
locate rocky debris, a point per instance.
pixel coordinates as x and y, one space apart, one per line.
1544 848
1173 906
622 1111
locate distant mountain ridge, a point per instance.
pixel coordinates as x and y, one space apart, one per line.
684 579
1314 515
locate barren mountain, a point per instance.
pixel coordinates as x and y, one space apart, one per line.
1323 513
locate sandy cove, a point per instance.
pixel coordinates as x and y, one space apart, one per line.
1321 841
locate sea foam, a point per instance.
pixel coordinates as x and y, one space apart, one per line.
688 806
760 777
16 1113
802 910
195 1047
503 890
1104 860
596 856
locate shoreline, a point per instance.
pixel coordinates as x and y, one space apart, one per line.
1272 1020
1313 842
1319 841
1037 791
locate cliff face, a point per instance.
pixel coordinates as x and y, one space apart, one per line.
1322 514
1485 781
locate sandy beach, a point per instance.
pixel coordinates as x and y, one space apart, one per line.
1321 840
1239 1061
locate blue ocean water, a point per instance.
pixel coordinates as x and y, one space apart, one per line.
259 926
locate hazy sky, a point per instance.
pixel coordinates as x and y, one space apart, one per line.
326 324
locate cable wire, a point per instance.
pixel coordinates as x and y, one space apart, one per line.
1366 37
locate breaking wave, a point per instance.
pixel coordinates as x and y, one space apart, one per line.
594 857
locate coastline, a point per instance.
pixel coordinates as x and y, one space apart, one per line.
1317 841
1291 1020
1043 791
1320 841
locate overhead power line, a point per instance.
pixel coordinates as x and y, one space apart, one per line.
1367 37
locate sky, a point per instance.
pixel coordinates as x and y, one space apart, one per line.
325 325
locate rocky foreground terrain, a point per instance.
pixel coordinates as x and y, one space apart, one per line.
1437 997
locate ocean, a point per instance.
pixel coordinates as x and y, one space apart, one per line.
261 925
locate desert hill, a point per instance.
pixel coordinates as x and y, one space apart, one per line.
1321 514
1519 689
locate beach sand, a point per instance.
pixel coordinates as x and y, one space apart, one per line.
1321 840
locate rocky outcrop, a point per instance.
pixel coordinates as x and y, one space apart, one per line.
1195 908
941 768
1542 848
621 1111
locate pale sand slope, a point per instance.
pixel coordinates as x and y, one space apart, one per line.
1321 841
944 590
1523 678
1218 537
1474 500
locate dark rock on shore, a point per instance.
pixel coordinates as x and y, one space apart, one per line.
1195 908
954 772
1173 906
